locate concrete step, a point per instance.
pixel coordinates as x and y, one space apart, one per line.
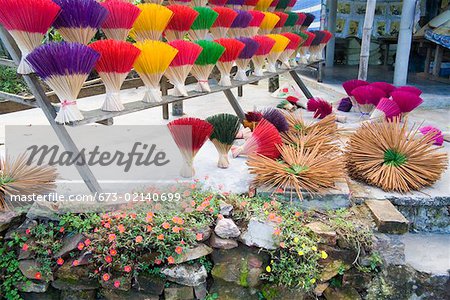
387 217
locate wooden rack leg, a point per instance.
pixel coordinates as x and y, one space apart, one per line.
301 84
235 104
50 112
240 91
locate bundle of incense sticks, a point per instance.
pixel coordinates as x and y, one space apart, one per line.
151 22
316 49
367 97
215 3
180 2
255 23
27 22
116 61
223 22
350 85
308 21
151 64
259 58
280 44
240 24
249 4
234 4
232 50
303 50
182 64
303 37
279 25
200 28
263 5
291 5
291 48
197 3
182 20
244 57
205 63
268 23
64 67
120 19
79 20
299 22
282 5
384 86
273 5
290 22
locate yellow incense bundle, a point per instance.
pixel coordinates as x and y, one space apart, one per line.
151 22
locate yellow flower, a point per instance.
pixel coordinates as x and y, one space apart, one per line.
300 253
266 212
313 280
271 261
324 255
268 269
296 240
303 245
314 248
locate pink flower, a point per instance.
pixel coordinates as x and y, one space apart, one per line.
127 269
59 261
38 275
139 239
116 284
171 260
75 263
80 246
27 231
113 252
25 247
111 237
199 236
87 242
61 229
178 250
158 261
165 225
106 277
121 228
108 259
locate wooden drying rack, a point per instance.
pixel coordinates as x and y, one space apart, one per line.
41 100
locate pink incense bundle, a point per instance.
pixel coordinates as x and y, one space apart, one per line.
320 107
290 5
409 89
249 4
259 58
303 50
253 26
263 141
223 22
182 64
215 3
182 19
386 110
387 88
27 21
116 61
350 85
367 97
299 23
438 136
406 101
291 48
317 50
232 50
273 5
279 26
120 19
299 102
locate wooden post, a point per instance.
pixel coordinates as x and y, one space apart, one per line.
365 42
332 14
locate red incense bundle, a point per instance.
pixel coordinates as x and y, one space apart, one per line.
182 20
27 21
263 141
290 5
116 61
350 85
299 102
182 64
120 19
215 3
253 26
386 110
291 48
189 134
303 50
283 18
249 4
320 107
232 50
273 5
259 58
299 22
409 89
406 101
223 22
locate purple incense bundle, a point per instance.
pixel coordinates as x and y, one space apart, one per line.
64 67
79 20
308 21
235 4
345 104
240 24
251 46
277 118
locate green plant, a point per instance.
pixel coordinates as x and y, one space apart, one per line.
79 222
213 296
10 82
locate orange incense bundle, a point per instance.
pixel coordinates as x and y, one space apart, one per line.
253 26
280 44
232 50
182 64
303 50
27 21
120 19
189 134
223 22
116 61
263 141
182 20
259 58
280 24
291 48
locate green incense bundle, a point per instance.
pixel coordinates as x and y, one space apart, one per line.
200 28
290 21
205 63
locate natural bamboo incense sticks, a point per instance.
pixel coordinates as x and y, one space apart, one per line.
151 22
205 63
120 19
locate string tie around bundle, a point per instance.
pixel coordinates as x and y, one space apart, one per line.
66 103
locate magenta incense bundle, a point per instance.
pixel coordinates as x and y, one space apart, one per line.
64 67
120 19
244 57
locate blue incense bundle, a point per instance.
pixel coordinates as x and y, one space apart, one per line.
240 24
251 46
79 20
64 67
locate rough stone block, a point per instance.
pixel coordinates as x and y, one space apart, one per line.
324 232
387 217
179 292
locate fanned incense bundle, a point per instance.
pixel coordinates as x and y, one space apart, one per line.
259 58
299 102
79 20
299 169
319 35
253 26
205 63
280 44
409 89
239 25
438 137
303 50
282 5
27 22
264 141
367 97
180 2
244 57
406 101
268 23
345 104
64 67
387 88
200 28
276 117
386 109
350 85
151 64
300 20
249 4
318 44
234 4
215 3
182 20
320 107
116 61
17 177
393 158
291 48
308 21
252 119
189 134
290 22
263 5
232 50
226 127
223 22
120 19
151 22
182 64
291 5
279 26
273 5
